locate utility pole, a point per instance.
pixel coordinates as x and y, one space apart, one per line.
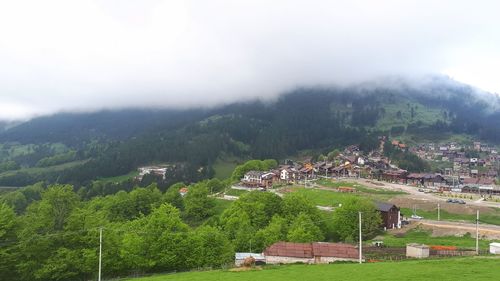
360 241
477 232
439 212
100 253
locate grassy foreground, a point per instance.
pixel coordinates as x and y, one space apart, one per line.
444 269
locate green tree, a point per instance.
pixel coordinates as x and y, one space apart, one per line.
56 205
157 242
215 185
303 230
253 165
333 154
16 200
211 247
144 200
274 232
8 224
346 222
198 205
239 230
173 197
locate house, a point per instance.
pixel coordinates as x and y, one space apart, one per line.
390 214
239 258
258 179
361 161
317 252
394 175
153 170
285 175
425 179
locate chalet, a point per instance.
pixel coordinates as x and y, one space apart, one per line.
394 175
318 252
258 179
424 179
287 174
341 171
390 214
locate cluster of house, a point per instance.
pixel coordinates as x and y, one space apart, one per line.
467 174
309 253
350 163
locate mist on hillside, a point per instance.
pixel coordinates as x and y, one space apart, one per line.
182 54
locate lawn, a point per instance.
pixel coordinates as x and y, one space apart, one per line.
462 269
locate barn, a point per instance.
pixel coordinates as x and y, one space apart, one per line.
317 252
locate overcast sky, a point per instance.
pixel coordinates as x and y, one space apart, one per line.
87 55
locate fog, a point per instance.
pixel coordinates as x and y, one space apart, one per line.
90 55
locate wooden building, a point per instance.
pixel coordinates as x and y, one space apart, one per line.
318 252
391 215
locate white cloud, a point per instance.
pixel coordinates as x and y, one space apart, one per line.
84 55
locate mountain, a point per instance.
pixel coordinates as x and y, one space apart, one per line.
111 143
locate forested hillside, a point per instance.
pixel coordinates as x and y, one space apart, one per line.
112 143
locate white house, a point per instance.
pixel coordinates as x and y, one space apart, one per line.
361 161
284 175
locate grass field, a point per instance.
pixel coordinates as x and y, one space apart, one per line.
423 113
463 269
333 198
422 236
221 205
118 178
41 170
235 192
323 197
489 218
361 188
224 167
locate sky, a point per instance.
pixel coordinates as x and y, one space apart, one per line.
103 54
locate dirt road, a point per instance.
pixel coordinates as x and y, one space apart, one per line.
454 228
420 195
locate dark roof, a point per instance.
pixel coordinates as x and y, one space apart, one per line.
256 174
384 207
310 250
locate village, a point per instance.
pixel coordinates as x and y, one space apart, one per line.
477 174
474 179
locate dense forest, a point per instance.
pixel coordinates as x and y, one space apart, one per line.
55 234
107 144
